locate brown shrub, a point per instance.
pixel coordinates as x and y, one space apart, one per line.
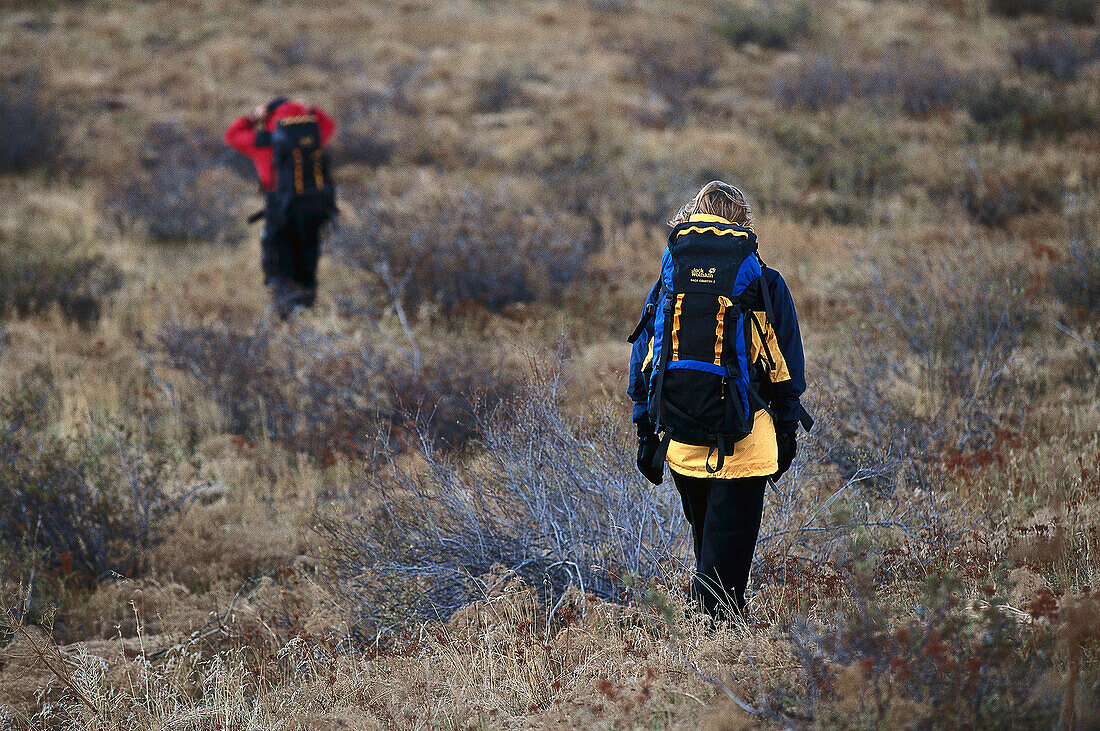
849 161
45 265
83 505
675 71
946 663
37 275
497 93
326 395
994 197
1076 278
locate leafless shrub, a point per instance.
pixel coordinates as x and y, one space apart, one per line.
863 470
920 85
554 502
952 343
447 399
303 52
30 128
822 83
466 249
965 334
497 93
35 277
587 181
240 371
1057 52
610 6
674 71
183 192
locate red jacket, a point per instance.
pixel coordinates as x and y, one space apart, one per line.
242 138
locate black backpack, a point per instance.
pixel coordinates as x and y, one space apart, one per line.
702 388
303 182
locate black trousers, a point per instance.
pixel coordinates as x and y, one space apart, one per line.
291 249
725 521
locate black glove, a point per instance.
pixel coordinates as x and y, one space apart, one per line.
788 446
648 443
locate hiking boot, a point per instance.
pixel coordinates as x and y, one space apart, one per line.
287 296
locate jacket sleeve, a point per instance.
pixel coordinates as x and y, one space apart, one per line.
638 388
786 394
325 122
241 137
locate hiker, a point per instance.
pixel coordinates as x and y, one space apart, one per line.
716 373
285 141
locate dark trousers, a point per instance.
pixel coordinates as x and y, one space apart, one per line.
725 521
291 250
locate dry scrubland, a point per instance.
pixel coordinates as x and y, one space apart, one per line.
414 506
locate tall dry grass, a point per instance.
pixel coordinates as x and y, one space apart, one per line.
363 518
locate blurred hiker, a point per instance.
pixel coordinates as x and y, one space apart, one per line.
716 373
286 140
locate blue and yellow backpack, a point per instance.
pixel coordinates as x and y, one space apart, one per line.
702 389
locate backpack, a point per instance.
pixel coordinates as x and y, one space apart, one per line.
702 389
303 182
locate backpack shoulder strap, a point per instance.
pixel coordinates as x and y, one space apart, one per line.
766 296
647 315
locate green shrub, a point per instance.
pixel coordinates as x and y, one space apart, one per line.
767 26
1080 12
1009 112
846 165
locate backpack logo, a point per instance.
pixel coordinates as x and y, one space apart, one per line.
703 276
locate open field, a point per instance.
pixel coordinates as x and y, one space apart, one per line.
415 505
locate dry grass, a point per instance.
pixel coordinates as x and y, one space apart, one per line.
925 176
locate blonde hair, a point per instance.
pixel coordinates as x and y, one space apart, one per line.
717 199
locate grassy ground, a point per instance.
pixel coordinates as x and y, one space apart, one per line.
414 505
